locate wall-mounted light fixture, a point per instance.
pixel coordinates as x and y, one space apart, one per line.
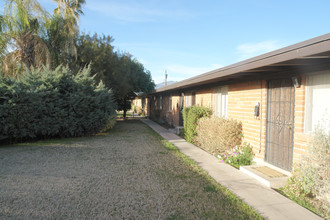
296 81
257 110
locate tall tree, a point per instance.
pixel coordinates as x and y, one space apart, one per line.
120 72
70 9
62 29
21 44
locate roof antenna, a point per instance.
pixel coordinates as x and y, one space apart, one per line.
165 77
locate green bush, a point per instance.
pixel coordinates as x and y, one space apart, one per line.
46 103
218 135
191 115
310 181
239 156
111 123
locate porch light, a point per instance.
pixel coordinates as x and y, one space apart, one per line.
296 81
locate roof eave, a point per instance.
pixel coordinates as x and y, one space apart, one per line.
303 49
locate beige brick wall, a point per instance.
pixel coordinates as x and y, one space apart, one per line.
242 99
204 97
301 139
170 116
175 111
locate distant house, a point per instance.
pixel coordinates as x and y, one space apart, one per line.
279 97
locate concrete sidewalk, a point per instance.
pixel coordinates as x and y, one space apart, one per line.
266 201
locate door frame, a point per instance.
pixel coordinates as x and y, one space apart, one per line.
268 123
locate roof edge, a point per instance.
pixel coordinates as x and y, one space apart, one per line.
278 52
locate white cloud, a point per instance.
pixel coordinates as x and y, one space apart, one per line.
134 12
178 72
249 50
190 71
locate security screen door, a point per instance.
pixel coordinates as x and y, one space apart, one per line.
280 123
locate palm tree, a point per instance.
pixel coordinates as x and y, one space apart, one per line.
69 8
70 11
20 41
62 30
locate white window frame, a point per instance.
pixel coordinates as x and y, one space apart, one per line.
170 103
188 99
220 101
160 103
322 104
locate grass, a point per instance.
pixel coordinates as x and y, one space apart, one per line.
121 114
207 189
210 186
184 189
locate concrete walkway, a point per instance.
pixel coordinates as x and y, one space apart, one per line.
266 201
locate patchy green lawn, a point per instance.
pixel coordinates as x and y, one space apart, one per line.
128 173
121 114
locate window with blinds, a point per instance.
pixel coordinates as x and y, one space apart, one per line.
220 101
190 99
317 102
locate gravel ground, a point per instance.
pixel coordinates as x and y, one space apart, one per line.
125 174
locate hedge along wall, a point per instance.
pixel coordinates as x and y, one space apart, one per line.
191 115
217 135
46 103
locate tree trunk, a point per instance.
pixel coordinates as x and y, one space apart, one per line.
125 109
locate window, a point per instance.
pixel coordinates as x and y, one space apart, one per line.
170 103
317 102
193 98
160 103
190 99
220 101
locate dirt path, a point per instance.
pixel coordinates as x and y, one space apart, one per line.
126 174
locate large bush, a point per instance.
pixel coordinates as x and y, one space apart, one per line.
217 135
311 177
46 103
191 115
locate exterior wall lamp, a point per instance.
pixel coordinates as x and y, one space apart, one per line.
296 81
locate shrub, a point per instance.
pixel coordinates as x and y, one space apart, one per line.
217 135
191 115
311 177
239 156
46 103
155 115
111 123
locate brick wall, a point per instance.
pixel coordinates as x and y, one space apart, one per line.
204 97
175 111
301 139
168 116
242 99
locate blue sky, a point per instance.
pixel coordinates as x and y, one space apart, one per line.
188 38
